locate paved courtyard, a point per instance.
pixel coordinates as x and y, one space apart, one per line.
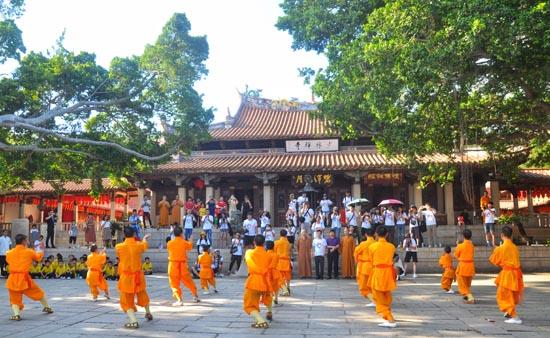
317 309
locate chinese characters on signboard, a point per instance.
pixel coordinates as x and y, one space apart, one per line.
383 177
306 146
318 179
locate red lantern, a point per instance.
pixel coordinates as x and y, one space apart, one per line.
198 184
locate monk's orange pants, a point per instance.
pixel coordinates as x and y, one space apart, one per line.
362 283
383 301
186 279
34 292
464 284
128 300
446 283
100 285
252 299
208 281
507 300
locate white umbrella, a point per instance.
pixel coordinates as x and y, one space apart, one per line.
357 201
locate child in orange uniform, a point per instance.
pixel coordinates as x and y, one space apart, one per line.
94 277
446 262
256 289
274 278
19 282
178 271
465 270
206 274
364 266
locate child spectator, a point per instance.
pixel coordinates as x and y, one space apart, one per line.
460 227
34 234
47 270
201 242
446 262
81 269
269 234
61 270
38 243
71 269
217 263
109 271
147 266
73 234
206 274
410 246
35 270
224 228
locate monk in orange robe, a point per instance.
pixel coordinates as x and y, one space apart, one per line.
206 274
94 278
465 270
347 247
164 212
382 280
510 279
19 281
446 262
131 283
282 249
256 288
364 266
275 280
178 270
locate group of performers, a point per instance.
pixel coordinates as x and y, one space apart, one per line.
269 272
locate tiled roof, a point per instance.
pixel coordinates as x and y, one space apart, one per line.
536 173
361 159
261 119
40 187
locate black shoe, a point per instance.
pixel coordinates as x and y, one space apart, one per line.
47 247
53 247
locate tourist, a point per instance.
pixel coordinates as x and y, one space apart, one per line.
189 205
414 225
94 278
347 199
106 231
510 279
318 225
39 243
206 274
178 271
201 210
246 207
146 208
325 205
347 247
265 220
335 222
236 253
176 205
269 234
221 206
207 225
308 214
366 224
410 245
489 215
18 284
223 223
351 219
89 231
291 216
73 234
35 234
428 214
188 222
211 206
319 245
483 202
5 246
303 246
300 201
383 280
401 219
202 241
448 276
51 220
283 250
291 233
389 223
147 266
333 247
250 226
256 288
217 263
134 222
364 265
293 204
465 270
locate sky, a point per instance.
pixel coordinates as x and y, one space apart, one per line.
245 46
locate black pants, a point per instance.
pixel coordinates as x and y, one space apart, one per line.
319 266
49 237
235 259
391 235
72 240
147 216
333 263
3 265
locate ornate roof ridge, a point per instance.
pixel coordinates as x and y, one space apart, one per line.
252 98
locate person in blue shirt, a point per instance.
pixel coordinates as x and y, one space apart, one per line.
134 221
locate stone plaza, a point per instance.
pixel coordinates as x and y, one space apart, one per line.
327 308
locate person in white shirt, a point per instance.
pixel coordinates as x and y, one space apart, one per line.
106 231
201 242
351 218
325 205
250 226
265 220
428 213
188 221
146 207
335 222
39 243
347 198
319 245
269 234
489 215
389 223
236 253
401 220
292 216
414 225
410 246
292 203
301 200
308 214
5 245
366 224
318 225
207 224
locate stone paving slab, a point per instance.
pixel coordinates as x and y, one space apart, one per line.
329 308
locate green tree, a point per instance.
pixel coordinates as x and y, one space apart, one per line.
433 76
64 117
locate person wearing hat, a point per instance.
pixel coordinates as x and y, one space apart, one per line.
202 241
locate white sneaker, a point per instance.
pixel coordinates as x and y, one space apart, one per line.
388 324
178 303
402 275
205 293
414 276
371 304
514 320
451 291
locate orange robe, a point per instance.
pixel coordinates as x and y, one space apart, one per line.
382 281
19 281
364 265
131 281
176 211
274 278
446 262
510 279
206 274
164 210
178 270
256 286
95 278
465 270
303 245
347 247
282 249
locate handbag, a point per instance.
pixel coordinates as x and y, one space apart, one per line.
422 227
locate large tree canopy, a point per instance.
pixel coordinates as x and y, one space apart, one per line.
432 76
64 117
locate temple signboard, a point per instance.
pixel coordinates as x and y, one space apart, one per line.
383 177
318 179
312 146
